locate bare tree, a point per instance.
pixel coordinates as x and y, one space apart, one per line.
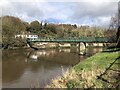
118 31
115 24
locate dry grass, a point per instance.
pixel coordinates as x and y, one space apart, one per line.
60 82
85 74
83 79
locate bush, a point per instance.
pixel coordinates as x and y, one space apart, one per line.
71 84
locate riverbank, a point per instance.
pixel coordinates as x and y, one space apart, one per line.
87 74
44 45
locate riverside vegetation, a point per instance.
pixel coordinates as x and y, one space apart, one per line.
87 74
83 75
12 26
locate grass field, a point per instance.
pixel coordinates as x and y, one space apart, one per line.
92 72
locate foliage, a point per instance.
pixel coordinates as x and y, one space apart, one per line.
18 42
51 28
115 23
71 84
84 74
35 26
11 26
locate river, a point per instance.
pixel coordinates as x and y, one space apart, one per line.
26 68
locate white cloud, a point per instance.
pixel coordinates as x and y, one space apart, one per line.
79 11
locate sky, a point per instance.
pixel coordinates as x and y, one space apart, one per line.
80 12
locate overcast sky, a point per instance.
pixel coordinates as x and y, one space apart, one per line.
81 12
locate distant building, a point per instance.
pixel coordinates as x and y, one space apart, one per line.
21 36
32 36
26 35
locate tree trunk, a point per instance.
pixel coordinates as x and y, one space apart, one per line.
118 42
118 37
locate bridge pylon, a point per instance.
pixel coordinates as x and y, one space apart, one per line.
82 48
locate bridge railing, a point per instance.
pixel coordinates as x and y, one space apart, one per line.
71 39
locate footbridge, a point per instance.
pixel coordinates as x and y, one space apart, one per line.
81 41
73 39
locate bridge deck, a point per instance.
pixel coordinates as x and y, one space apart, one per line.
73 39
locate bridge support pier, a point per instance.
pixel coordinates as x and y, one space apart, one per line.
82 48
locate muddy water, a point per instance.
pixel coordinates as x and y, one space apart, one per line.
29 68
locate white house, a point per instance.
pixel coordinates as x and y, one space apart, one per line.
20 36
32 36
26 36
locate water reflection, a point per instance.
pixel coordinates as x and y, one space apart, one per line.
61 56
27 68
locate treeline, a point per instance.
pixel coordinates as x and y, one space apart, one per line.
68 30
12 26
48 30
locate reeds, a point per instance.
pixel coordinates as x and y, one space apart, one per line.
83 79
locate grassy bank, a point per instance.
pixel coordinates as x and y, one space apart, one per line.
88 73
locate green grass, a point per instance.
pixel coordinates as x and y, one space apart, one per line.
85 74
99 61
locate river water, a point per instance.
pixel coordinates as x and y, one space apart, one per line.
25 68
